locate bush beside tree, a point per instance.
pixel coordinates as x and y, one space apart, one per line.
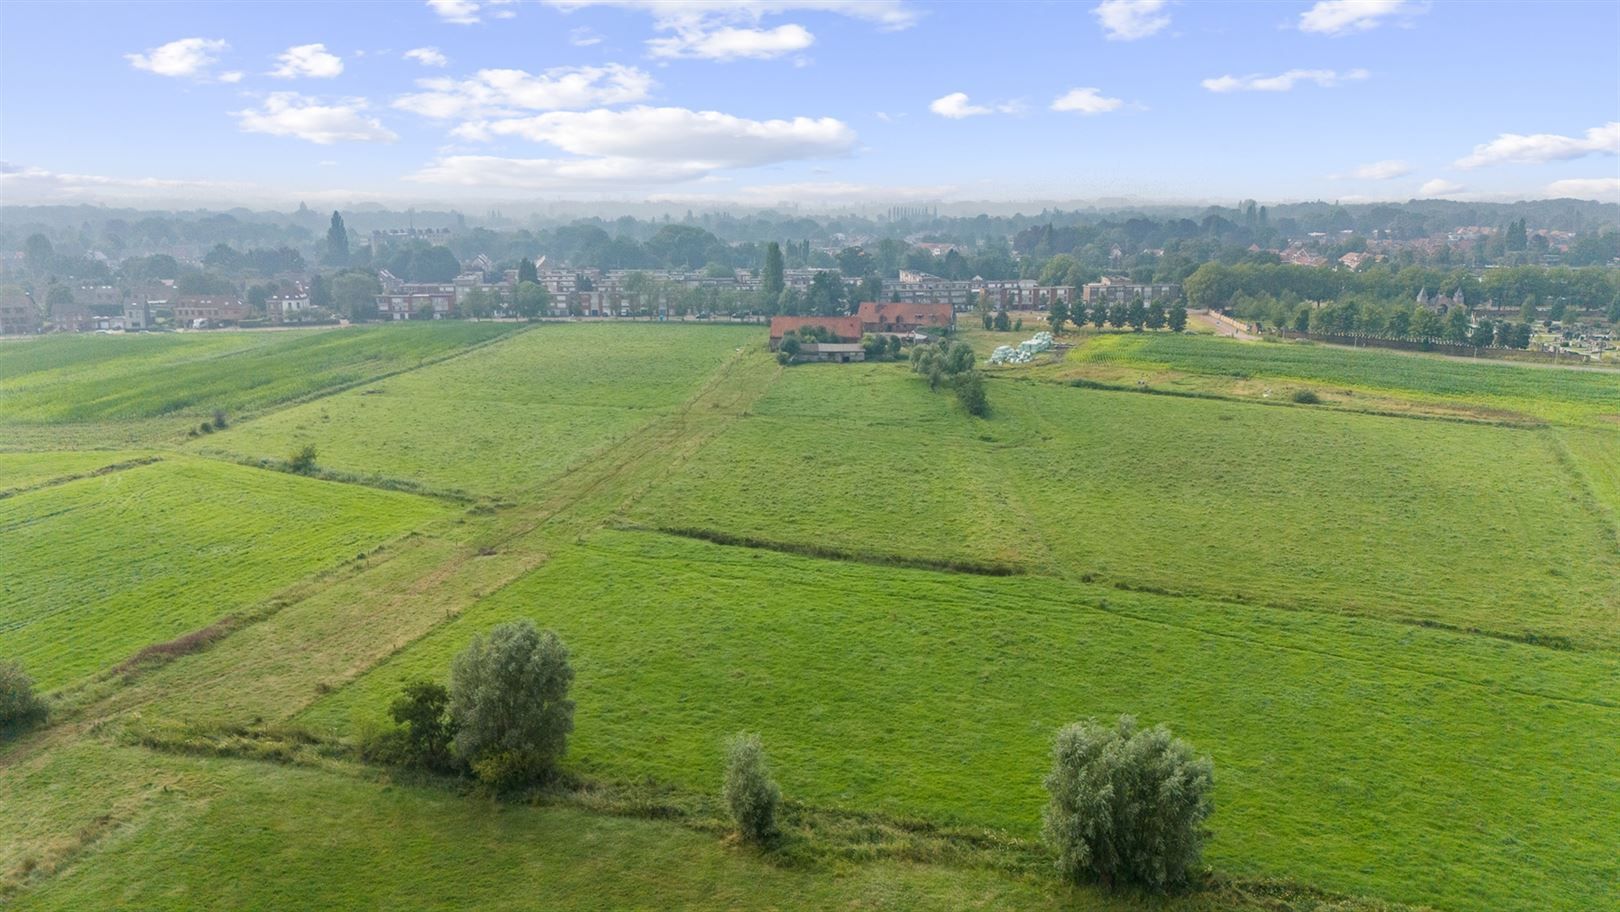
1127 804
20 706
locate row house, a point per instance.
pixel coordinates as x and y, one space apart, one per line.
417 301
19 315
1023 294
284 307
1120 290
207 310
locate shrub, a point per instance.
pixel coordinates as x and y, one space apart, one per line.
970 392
219 420
509 704
303 461
1306 397
750 793
20 707
1127 804
425 728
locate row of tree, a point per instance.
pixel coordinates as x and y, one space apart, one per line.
1135 314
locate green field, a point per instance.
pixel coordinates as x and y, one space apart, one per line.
1168 493
98 568
504 418
1393 620
1584 396
934 695
96 378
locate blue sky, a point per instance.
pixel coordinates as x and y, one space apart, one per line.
810 101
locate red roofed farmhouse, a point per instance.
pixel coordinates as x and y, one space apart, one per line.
844 329
893 317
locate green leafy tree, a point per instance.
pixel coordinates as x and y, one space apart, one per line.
771 278
1457 325
751 794
527 271
354 294
1127 805
1056 315
509 703
337 242
426 732
1156 317
302 462
532 300
1003 323
1177 317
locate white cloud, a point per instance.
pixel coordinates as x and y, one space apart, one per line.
312 60
20 182
428 56
186 57
1440 187
1086 101
817 191
675 134
1598 188
1344 17
292 114
725 30
1517 148
956 106
733 43
460 12
1379 170
504 93
1128 20
889 14
637 147
583 37
1282 82
233 76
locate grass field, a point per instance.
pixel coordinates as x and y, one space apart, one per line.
1434 522
506 417
96 378
936 695
1576 396
1398 637
22 471
98 568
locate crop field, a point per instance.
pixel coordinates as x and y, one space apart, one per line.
504 418
97 568
106 377
1577 396
1396 631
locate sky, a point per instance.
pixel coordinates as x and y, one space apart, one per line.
807 101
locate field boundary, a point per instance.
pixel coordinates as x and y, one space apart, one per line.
80 476
824 552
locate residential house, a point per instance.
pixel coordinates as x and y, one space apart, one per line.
19 315
208 310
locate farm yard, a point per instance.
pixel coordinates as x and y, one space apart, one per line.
1392 618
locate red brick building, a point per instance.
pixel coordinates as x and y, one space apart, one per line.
844 329
891 317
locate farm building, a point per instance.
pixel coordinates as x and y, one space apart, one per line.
892 317
840 352
847 329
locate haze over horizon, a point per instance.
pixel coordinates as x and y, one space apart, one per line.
808 102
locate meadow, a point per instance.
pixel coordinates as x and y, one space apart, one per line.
1170 494
1589 397
934 695
1398 637
97 378
504 418
95 569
